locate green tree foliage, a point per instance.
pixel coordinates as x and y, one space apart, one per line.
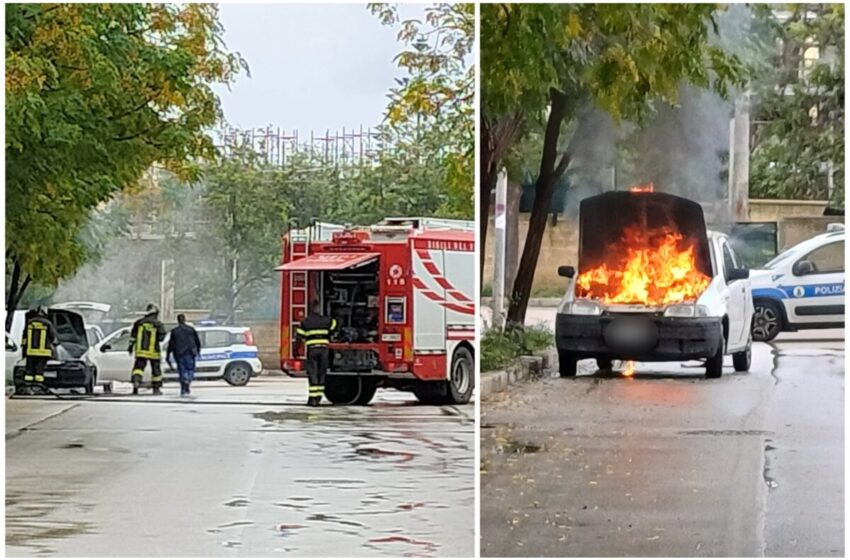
430 115
799 99
551 61
95 94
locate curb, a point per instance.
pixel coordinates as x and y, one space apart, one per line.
527 367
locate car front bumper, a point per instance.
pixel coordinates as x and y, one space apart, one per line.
59 376
659 338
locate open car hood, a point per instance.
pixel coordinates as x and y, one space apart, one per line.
71 331
605 218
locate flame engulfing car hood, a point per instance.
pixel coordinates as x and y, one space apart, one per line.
659 238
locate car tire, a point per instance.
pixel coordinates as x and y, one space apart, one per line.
714 365
238 374
768 320
742 360
567 364
462 376
350 389
604 364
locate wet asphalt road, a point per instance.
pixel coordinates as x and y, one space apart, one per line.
238 472
670 464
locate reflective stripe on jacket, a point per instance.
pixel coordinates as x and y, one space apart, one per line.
316 330
146 335
39 338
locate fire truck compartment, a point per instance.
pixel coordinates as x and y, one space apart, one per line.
351 297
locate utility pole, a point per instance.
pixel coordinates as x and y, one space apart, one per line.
739 160
166 301
501 222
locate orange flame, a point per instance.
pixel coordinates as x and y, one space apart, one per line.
654 268
630 369
649 187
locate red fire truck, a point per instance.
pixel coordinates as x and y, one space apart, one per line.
402 292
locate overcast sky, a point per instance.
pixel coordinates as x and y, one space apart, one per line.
313 67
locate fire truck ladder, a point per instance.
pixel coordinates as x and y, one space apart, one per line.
298 283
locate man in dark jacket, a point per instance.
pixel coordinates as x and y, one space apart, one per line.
185 346
37 345
315 330
145 337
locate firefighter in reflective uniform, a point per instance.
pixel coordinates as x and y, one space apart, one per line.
316 330
145 337
37 345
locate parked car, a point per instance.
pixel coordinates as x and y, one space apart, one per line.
13 356
227 353
68 369
802 288
712 322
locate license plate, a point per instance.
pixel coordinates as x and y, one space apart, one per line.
51 374
631 333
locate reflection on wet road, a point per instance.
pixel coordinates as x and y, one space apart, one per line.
668 463
112 478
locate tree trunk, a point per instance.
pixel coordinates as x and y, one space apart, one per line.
549 174
496 139
16 292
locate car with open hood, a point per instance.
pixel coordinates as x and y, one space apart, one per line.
67 369
652 285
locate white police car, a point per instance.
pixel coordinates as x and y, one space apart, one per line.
227 353
802 288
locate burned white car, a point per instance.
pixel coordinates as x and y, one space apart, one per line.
68 369
652 285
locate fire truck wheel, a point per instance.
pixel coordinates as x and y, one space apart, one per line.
350 390
462 378
567 364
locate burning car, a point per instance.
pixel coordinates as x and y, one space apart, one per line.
68 369
653 284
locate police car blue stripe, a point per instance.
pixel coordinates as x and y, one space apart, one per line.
227 356
810 291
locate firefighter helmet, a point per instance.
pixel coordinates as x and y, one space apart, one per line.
152 308
41 310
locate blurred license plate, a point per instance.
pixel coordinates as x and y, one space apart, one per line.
631 333
50 374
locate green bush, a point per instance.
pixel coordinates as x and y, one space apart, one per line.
500 348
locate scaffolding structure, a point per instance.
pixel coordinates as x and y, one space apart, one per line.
349 147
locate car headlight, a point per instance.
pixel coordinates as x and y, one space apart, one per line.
686 310
582 307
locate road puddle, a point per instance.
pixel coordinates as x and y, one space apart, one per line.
31 523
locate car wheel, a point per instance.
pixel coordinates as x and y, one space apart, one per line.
238 374
462 379
350 389
767 320
604 364
742 360
714 365
567 364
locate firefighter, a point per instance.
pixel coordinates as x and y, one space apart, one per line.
145 337
316 330
37 345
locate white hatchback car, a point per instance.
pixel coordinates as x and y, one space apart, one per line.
716 324
802 288
227 353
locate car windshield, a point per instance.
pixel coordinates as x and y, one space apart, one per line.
778 260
